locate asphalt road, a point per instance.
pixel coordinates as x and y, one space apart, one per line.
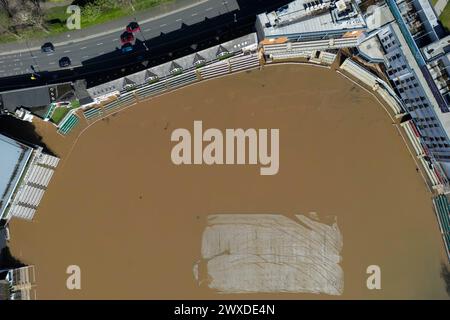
85 49
188 38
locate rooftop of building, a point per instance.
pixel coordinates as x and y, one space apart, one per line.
437 48
371 49
14 157
306 16
35 99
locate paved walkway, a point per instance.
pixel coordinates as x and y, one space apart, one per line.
440 6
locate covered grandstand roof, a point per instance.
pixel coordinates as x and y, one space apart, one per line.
13 159
29 98
175 66
198 59
163 71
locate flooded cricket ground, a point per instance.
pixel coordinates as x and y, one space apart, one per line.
134 222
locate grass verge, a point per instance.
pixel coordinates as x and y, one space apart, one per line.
90 16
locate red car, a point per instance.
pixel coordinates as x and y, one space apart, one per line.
133 27
126 37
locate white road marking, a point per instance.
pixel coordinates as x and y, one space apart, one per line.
178 20
16 60
194 14
209 9
83 48
163 25
67 51
85 57
147 30
99 44
52 62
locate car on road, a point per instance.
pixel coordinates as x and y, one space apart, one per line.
127 47
126 37
48 47
133 27
64 62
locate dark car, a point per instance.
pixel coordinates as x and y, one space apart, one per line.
133 27
127 47
64 62
47 47
126 37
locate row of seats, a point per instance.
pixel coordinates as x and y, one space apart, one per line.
69 124
39 175
22 212
29 195
214 70
443 213
359 72
182 80
48 160
92 113
244 62
152 89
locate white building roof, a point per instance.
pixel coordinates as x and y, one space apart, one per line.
13 159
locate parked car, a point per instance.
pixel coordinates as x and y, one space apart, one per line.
64 62
133 27
127 47
48 47
126 37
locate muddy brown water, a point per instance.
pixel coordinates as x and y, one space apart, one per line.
133 221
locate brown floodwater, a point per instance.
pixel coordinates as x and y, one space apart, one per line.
133 221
